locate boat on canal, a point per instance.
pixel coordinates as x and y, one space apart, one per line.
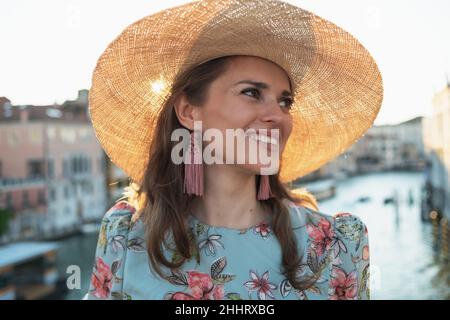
28 271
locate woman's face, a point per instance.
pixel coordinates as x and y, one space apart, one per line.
253 93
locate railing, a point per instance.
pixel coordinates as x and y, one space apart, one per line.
20 182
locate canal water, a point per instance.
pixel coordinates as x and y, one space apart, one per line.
403 262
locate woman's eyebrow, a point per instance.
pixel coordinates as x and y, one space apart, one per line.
261 85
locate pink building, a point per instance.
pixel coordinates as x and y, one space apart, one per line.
52 168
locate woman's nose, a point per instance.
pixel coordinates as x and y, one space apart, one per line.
272 112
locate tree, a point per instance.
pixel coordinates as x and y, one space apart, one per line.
5 216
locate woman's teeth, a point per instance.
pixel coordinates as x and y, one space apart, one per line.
263 138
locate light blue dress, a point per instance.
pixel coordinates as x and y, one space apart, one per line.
235 264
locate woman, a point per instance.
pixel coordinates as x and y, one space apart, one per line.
206 230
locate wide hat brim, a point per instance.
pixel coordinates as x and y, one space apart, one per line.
337 85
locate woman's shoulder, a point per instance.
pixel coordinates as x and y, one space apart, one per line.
345 224
119 210
122 215
339 243
117 228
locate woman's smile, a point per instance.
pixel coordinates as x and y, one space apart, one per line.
264 136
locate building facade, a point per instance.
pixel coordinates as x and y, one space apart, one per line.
382 148
52 168
437 145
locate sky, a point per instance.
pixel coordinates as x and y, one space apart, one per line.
49 48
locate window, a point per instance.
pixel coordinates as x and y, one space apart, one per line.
35 169
74 166
83 162
66 168
79 164
9 201
25 200
66 192
52 194
41 197
51 168
88 187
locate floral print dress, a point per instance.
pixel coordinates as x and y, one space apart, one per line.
235 264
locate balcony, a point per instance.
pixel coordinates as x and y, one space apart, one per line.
11 184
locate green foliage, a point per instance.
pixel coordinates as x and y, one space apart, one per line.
5 216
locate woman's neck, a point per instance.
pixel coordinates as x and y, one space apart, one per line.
229 199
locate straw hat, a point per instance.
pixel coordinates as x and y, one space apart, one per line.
337 85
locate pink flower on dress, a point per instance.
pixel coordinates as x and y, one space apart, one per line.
261 285
101 279
181 296
322 235
344 285
365 253
202 288
263 229
342 214
122 205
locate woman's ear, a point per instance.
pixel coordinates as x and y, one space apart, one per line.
186 112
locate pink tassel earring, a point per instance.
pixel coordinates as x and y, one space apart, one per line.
264 191
193 168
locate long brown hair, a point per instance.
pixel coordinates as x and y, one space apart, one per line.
164 207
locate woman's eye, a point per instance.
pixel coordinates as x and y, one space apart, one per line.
256 94
287 103
256 91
